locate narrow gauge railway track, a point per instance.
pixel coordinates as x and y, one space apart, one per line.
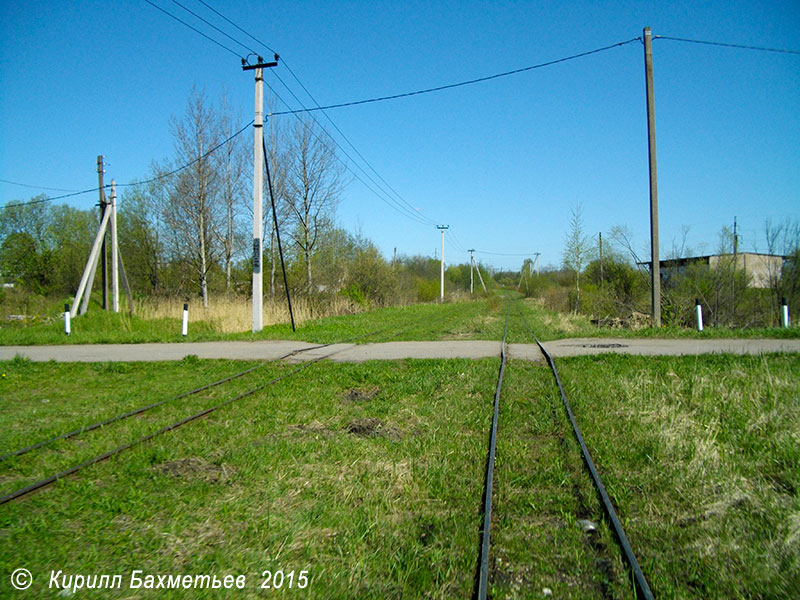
172 426
482 574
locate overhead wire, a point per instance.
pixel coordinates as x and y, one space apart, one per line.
501 253
361 156
471 81
406 209
399 203
214 27
456 242
385 197
134 183
726 44
179 20
36 187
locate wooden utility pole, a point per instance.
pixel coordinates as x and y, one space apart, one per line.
655 263
103 257
258 190
442 228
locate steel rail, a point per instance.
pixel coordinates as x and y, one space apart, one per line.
142 409
638 575
483 559
53 478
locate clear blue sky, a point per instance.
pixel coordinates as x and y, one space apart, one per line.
501 162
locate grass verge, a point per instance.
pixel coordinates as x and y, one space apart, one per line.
367 476
370 476
699 455
478 319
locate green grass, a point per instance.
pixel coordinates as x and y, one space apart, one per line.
699 455
479 319
367 476
370 475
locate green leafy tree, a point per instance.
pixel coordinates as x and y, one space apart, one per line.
21 263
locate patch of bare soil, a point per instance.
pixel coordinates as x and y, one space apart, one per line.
372 427
194 467
362 394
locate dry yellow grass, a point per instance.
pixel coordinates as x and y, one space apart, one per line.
235 313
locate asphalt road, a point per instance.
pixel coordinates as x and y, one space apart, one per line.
273 350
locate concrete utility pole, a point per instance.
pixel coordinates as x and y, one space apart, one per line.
258 190
655 263
442 228
471 263
114 250
536 254
103 257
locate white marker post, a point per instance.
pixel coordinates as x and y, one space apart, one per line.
185 327
785 313
67 327
699 309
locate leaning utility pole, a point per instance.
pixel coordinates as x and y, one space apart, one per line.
258 190
441 279
655 263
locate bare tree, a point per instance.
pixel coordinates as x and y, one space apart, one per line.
193 208
230 164
577 249
313 186
783 239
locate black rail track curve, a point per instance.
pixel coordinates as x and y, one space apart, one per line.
101 457
142 409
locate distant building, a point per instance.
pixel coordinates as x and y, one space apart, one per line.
759 267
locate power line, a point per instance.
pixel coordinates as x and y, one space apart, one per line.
40 200
383 196
219 14
726 45
214 27
469 82
189 164
361 156
181 21
501 253
133 183
406 208
37 187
